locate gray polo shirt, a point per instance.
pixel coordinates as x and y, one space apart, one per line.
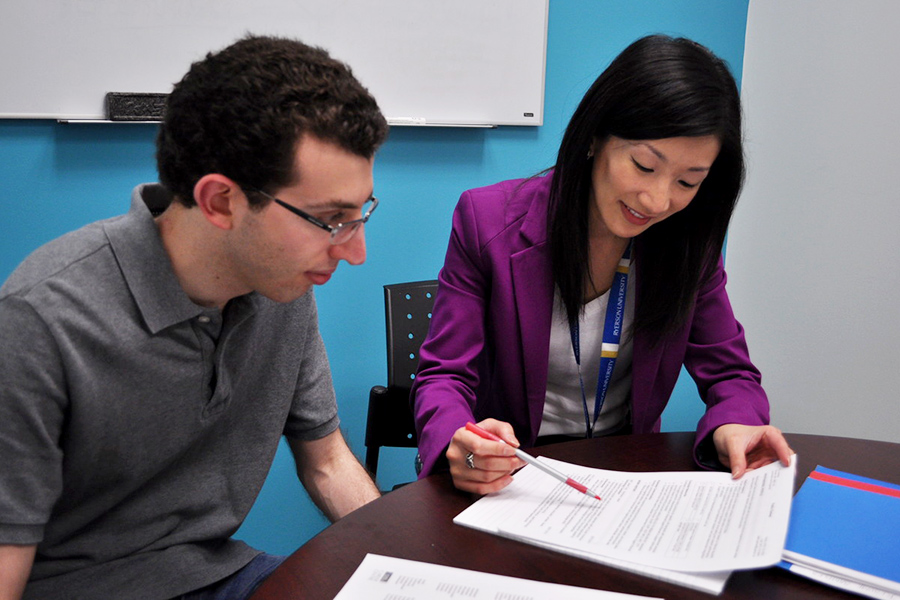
136 427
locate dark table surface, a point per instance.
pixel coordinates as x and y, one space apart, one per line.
416 522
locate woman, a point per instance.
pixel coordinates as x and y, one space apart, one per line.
609 264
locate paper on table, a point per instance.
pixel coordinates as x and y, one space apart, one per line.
712 583
487 512
686 521
531 490
382 577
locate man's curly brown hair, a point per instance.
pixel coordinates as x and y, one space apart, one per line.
241 112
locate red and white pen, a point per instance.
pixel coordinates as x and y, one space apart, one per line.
534 461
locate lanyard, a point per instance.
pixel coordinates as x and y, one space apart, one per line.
609 351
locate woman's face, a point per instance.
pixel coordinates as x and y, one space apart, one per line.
638 183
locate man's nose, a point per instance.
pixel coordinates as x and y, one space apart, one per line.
354 249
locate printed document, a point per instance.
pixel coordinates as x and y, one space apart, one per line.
384 578
691 528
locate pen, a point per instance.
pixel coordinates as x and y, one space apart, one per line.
534 461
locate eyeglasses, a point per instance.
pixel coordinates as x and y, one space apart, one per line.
340 233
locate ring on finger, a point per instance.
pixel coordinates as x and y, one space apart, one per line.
470 460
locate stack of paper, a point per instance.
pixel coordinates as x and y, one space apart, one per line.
397 578
689 528
845 532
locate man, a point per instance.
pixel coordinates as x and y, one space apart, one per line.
151 362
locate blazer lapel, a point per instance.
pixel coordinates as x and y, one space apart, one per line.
645 364
532 281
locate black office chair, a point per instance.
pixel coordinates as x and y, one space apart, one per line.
407 313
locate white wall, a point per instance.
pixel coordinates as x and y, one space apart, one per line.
813 253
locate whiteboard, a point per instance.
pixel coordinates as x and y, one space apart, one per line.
462 62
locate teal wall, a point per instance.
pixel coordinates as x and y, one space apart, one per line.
56 177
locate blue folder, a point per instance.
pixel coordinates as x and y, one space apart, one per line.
847 520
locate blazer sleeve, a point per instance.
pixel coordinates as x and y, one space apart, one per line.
719 362
444 391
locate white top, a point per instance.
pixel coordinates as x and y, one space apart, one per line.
563 406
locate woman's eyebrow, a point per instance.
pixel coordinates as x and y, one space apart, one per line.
663 157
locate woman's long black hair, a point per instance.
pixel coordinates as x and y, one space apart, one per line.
658 87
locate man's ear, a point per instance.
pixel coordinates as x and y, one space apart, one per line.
216 197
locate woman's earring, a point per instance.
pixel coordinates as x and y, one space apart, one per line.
590 154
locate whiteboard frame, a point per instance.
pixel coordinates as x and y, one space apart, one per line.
462 63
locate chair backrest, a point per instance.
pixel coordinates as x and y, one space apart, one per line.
407 313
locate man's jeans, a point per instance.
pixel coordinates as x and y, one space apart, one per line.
242 584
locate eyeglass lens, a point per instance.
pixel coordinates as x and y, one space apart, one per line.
345 231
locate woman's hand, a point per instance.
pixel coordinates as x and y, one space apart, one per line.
745 447
491 463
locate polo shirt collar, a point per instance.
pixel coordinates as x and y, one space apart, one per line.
146 267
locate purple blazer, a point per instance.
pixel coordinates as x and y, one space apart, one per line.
486 353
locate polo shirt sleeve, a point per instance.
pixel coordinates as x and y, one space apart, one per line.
32 411
314 412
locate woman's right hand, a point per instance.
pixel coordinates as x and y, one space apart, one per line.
492 463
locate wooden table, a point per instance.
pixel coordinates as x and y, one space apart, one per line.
415 522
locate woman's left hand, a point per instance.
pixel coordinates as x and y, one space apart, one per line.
745 447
